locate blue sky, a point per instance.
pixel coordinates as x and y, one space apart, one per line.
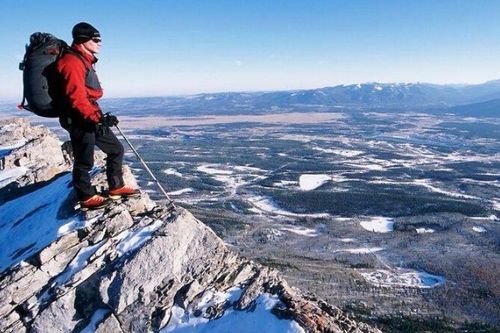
153 48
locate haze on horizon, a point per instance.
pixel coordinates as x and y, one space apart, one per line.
160 48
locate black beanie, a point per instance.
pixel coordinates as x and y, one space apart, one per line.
83 32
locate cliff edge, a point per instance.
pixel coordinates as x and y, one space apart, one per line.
136 266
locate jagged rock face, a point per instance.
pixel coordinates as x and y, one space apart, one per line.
131 266
32 154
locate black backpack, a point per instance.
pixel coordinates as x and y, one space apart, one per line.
41 88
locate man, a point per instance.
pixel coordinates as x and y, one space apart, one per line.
86 124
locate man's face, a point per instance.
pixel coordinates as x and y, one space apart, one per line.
93 45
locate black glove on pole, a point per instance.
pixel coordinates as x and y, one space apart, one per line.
109 120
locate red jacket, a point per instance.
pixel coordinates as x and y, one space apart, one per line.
81 96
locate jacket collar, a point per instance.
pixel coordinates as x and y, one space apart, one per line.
87 56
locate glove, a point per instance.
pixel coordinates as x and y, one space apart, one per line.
109 120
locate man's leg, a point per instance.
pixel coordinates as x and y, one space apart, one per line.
83 152
113 148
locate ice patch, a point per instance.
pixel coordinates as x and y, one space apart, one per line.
424 231
302 231
378 224
260 319
132 240
402 278
479 229
311 182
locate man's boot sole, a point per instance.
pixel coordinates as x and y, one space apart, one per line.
118 197
85 209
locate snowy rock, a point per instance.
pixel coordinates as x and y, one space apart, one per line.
133 266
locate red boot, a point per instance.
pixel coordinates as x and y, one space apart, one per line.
123 191
94 202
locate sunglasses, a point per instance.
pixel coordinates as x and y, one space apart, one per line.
96 40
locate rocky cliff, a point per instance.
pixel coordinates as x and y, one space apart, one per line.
135 266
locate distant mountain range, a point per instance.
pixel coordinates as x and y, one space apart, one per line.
401 96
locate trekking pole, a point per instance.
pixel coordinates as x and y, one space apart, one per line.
171 202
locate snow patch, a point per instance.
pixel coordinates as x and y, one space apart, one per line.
341 152
34 220
132 240
263 204
10 175
426 183
479 229
172 171
212 170
311 182
97 317
182 191
378 224
362 250
424 231
302 231
402 278
260 319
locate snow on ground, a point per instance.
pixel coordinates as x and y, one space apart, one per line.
34 220
232 176
341 152
302 231
479 229
402 278
10 175
6 149
212 169
285 183
347 240
259 319
426 183
378 224
496 204
425 230
172 171
361 250
266 205
131 240
97 317
182 191
311 182
77 264
371 167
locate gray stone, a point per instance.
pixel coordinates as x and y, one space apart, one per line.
109 325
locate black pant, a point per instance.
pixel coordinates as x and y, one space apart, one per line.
83 140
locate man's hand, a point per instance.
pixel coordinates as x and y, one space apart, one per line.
109 120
